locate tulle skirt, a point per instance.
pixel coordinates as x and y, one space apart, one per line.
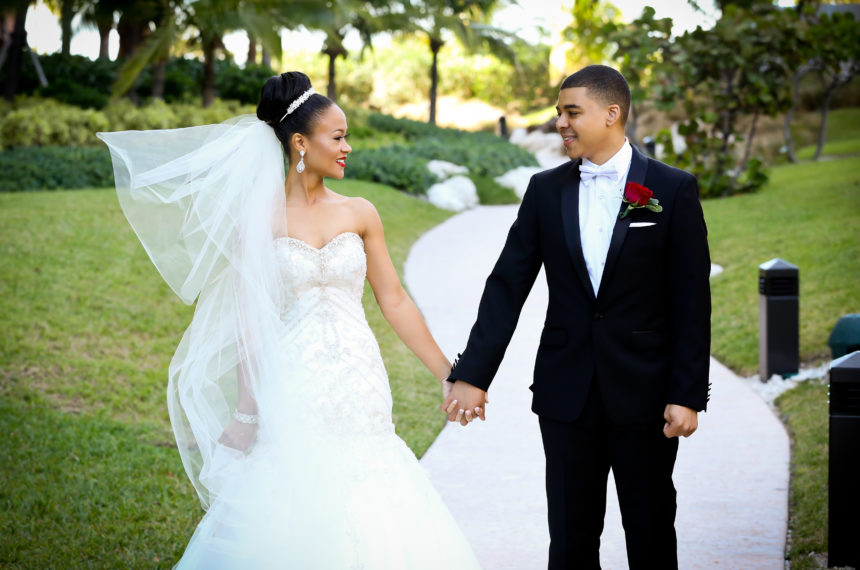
340 504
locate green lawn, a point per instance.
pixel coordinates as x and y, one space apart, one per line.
89 476
843 126
805 413
809 215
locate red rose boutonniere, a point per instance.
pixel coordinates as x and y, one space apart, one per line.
638 196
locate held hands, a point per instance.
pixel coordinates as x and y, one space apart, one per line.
463 402
680 420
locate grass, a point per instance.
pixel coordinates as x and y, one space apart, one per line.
842 128
805 413
808 214
89 476
491 192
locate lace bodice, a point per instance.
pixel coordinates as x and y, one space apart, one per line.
333 365
308 271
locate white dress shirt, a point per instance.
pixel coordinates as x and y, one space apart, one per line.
599 204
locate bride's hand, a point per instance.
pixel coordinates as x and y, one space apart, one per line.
446 388
238 435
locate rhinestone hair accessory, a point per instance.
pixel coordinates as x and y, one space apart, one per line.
297 103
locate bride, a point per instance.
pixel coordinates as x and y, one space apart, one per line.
277 392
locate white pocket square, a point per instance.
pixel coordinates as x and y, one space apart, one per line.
642 224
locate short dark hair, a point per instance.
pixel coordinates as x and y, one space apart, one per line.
603 84
275 97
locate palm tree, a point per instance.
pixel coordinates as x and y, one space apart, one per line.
100 14
207 21
336 18
467 20
15 47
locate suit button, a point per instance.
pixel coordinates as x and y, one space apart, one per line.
598 316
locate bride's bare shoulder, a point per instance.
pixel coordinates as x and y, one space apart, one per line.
364 213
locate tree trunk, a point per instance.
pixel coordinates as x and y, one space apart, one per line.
266 59
129 35
16 57
252 50
209 47
105 27
789 115
331 92
158 69
435 45
67 13
825 108
743 165
633 127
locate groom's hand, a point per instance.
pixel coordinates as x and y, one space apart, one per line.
465 403
680 420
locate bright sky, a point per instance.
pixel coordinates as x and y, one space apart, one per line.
525 18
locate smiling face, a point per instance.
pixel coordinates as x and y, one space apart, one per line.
588 128
326 148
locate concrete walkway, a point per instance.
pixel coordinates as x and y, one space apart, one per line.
731 476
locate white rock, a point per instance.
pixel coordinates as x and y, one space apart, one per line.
550 158
517 135
442 169
518 179
458 193
546 147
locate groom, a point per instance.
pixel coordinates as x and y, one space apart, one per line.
622 367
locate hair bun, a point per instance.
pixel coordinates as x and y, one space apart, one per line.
278 93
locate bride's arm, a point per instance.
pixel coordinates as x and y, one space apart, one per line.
397 308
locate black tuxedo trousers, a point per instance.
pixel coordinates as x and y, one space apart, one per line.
608 363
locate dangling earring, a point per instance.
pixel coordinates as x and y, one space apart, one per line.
300 167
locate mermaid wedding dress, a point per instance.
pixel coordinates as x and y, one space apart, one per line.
328 484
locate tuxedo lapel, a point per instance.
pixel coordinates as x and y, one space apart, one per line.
638 169
570 220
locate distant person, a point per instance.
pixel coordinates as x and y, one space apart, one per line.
277 394
622 367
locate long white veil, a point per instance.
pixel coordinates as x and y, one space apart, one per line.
206 203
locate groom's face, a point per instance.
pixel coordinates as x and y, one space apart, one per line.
582 123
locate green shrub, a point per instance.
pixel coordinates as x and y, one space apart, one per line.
483 155
50 168
394 165
44 122
240 84
78 80
72 79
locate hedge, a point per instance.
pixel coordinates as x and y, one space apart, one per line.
45 122
53 145
80 81
52 168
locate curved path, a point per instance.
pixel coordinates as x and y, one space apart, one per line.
731 476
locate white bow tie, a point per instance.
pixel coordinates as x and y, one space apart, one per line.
589 172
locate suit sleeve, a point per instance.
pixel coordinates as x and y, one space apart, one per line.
505 292
689 266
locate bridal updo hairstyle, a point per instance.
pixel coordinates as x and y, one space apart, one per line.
275 97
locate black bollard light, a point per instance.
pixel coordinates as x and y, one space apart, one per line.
778 319
843 524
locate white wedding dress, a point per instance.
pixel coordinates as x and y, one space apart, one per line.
328 484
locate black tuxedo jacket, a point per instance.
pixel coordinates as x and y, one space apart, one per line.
645 336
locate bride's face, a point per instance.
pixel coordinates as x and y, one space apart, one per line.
327 148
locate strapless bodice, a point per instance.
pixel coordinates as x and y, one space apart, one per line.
314 277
